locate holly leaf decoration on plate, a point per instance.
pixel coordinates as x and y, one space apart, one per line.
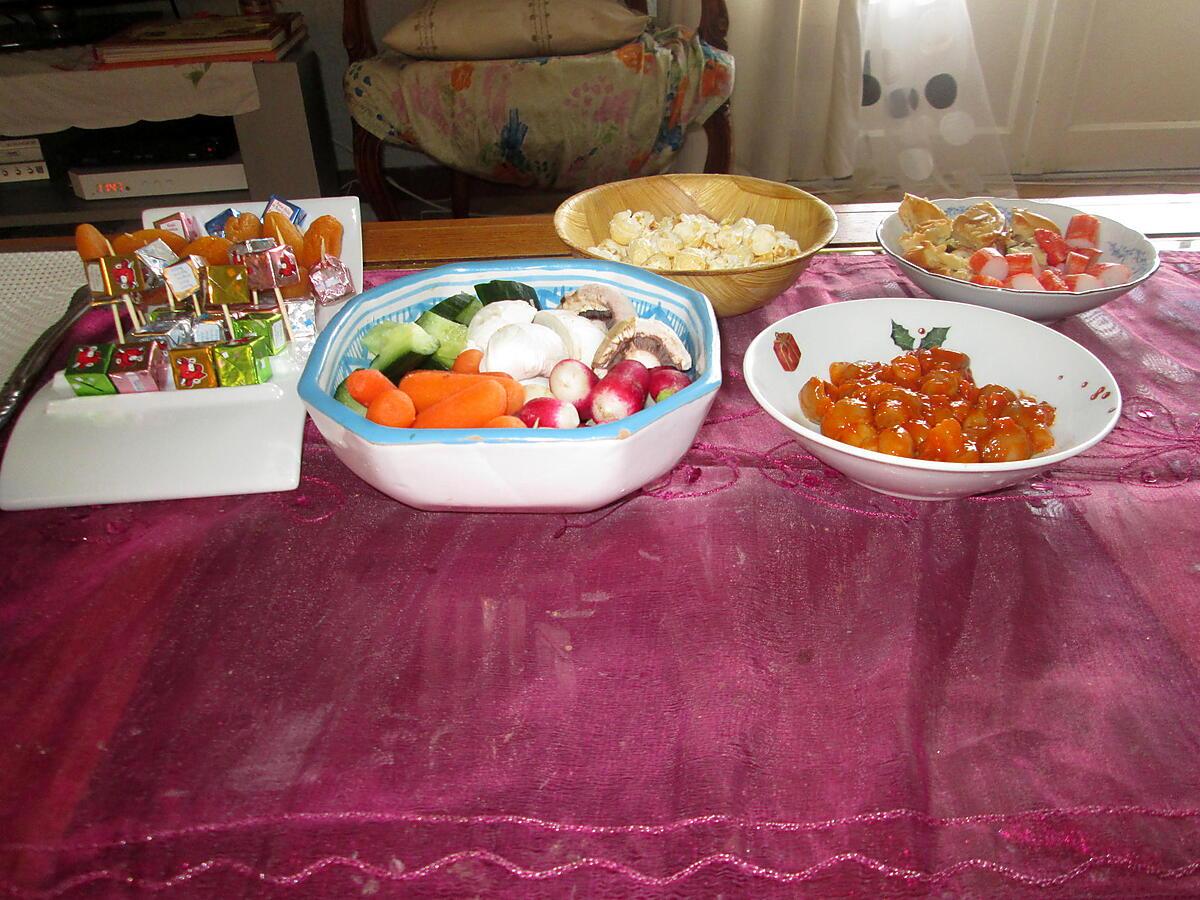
935 338
901 337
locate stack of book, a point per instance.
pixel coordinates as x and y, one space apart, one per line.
21 159
266 38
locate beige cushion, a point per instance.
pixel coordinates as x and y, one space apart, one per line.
513 29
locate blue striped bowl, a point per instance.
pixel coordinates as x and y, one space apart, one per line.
513 469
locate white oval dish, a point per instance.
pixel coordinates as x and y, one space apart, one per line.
1119 243
514 469
1004 349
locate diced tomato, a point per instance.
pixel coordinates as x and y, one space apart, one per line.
1024 281
1052 281
986 280
1080 260
1020 263
1111 274
1052 244
1083 231
1082 281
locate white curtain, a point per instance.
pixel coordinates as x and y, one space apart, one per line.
884 92
796 84
926 121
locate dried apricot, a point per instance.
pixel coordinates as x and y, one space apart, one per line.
90 243
280 227
126 242
324 235
243 227
214 250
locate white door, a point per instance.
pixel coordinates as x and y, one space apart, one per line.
1092 85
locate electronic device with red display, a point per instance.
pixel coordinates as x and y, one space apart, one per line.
150 181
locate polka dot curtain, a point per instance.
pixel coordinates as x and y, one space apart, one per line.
926 123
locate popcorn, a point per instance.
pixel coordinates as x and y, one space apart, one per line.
692 242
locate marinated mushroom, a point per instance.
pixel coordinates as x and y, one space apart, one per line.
648 341
600 302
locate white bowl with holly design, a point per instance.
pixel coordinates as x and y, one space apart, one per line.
1004 349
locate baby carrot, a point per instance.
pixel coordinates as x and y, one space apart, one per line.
470 408
364 385
429 386
468 361
505 422
512 387
392 407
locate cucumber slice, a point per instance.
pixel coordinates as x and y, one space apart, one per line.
379 335
407 346
341 395
451 337
491 291
460 308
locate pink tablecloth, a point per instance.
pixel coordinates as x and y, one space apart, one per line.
753 678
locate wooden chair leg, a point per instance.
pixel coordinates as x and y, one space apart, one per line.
720 141
368 166
460 194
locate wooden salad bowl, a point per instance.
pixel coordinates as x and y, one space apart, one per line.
582 221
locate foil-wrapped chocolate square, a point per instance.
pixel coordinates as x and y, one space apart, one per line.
239 251
139 367
330 279
209 329
275 203
153 258
87 370
243 361
227 286
216 225
268 325
184 279
180 223
193 366
175 330
112 276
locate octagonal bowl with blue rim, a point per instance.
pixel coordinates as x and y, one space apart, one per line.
1119 243
513 469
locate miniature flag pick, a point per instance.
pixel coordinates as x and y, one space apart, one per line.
228 286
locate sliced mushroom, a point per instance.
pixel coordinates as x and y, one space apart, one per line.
648 341
600 302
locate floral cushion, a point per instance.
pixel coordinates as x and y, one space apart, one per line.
560 122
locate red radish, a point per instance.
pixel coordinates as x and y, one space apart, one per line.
1083 231
1052 281
990 263
631 370
549 412
665 381
986 280
1083 282
1021 263
1024 281
615 398
572 381
1111 274
1052 244
1080 260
